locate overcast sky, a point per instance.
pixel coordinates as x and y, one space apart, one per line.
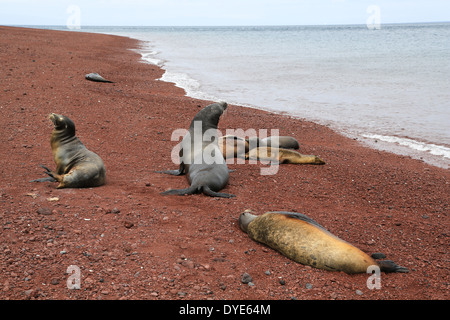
219 12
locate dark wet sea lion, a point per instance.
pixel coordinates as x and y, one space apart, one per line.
303 240
201 160
282 155
76 166
96 77
285 142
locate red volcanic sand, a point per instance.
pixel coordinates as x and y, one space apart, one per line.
130 242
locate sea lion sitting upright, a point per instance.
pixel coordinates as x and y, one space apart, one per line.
96 77
76 166
282 155
201 160
303 240
233 146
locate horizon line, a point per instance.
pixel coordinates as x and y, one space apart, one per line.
230 25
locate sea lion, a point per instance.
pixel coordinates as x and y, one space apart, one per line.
303 240
96 77
233 146
76 166
253 142
282 155
285 142
202 161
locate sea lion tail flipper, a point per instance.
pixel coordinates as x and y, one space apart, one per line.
209 192
391 266
181 192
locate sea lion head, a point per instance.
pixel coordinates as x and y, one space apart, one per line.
62 123
218 107
245 218
210 115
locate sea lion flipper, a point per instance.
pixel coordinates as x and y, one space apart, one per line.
172 172
181 171
48 170
181 192
51 179
51 174
300 216
209 192
391 266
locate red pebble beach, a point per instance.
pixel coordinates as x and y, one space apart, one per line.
130 242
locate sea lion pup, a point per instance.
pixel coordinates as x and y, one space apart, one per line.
76 166
285 142
303 240
233 146
201 160
96 77
282 155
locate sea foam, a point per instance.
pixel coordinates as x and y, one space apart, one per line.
413 144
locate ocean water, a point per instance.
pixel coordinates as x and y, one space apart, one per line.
389 87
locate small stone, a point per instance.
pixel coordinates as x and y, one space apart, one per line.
282 282
246 278
128 224
188 264
308 286
359 292
267 272
54 281
29 293
206 266
44 211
